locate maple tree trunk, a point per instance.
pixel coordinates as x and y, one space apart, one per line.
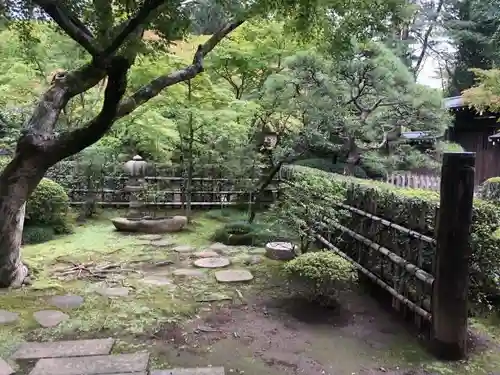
17 182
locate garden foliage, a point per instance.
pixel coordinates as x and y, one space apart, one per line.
311 195
47 211
490 190
319 275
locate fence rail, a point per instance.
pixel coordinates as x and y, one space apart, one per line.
414 181
160 191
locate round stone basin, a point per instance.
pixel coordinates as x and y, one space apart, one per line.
150 225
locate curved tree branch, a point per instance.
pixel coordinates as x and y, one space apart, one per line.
74 141
70 24
149 91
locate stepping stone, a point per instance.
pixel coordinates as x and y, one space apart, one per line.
150 237
213 297
7 317
157 281
212 262
206 254
218 247
50 318
66 302
96 365
113 292
183 249
280 250
251 260
5 369
233 276
191 371
76 348
161 243
188 272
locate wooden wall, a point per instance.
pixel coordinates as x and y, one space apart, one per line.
487 154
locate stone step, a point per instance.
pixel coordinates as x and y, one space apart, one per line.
135 364
76 348
5 369
191 371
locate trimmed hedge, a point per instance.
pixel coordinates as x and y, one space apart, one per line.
47 207
490 190
319 276
412 208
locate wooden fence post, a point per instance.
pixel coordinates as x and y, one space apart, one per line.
451 265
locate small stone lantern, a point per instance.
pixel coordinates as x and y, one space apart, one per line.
136 184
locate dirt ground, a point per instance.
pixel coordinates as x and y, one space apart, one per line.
290 337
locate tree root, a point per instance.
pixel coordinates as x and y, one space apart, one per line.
21 276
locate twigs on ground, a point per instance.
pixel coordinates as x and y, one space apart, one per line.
92 271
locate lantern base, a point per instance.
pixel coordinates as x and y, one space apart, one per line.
150 225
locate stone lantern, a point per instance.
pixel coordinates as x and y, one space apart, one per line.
136 184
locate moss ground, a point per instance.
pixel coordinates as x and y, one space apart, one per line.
133 320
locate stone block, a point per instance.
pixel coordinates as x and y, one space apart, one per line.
77 348
95 365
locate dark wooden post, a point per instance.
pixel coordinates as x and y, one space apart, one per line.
451 265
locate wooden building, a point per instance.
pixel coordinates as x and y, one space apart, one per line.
476 132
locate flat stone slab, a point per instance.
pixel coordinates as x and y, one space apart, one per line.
162 243
191 371
150 237
233 276
157 281
188 272
206 254
95 365
212 262
5 368
7 317
75 348
251 260
50 318
66 302
113 292
183 249
219 247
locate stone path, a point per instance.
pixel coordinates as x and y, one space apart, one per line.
85 357
94 357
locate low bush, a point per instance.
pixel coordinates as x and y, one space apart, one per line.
312 195
237 234
49 206
319 276
37 234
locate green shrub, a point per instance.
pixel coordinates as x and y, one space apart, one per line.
317 193
490 190
49 206
37 234
319 276
237 234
